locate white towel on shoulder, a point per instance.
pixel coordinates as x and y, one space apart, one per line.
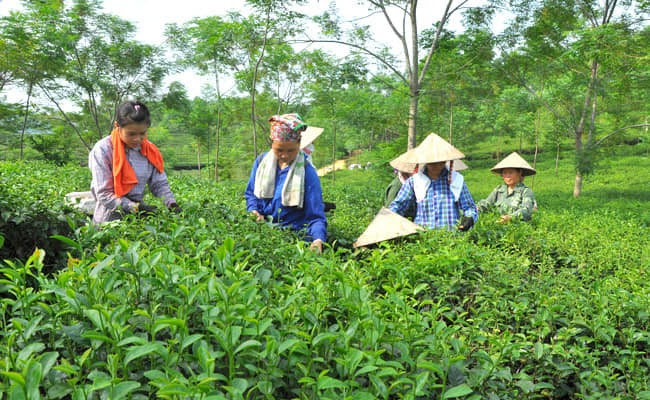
293 191
421 183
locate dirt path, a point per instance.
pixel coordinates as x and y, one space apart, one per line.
338 164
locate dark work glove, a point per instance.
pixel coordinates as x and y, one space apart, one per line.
465 223
145 210
175 208
329 206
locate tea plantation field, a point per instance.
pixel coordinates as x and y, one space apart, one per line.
211 305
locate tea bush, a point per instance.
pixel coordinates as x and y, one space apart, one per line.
31 209
211 305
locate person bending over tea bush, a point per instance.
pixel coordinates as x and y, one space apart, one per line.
283 186
402 171
512 199
123 164
441 196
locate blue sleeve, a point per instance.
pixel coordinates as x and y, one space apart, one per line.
466 204
313 205
404 198
251 200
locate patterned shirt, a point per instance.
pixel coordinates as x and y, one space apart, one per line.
100 162
311 217
438 209
518 204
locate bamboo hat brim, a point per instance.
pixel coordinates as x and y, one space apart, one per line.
459 165
433 149
402 165
514 160
385 226
309 135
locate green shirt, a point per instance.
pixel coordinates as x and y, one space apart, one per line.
518 204
391 192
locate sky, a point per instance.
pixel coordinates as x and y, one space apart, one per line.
150 17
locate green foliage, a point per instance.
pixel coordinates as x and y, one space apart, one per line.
32 209
210 304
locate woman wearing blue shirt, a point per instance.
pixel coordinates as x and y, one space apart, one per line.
441 197
284 186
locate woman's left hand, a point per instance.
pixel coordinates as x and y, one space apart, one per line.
258 217
317 246
505 219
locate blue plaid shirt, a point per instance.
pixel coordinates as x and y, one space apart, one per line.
438 209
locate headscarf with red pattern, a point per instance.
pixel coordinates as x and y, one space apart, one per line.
287 127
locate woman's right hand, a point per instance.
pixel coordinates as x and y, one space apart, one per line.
258 217
317 246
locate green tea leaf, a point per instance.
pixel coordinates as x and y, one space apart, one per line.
136 352
327 382
14 376
457 391
123 389
247 344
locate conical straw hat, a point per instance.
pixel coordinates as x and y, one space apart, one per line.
385 226
434 149
401 165
514 160
309 135
459 165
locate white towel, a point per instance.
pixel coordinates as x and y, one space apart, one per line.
457 181
293 191
421 183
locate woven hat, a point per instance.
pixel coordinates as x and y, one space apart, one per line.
459 165
402 165
385 226
434 149
514 160
309 135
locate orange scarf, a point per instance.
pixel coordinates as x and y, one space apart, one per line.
124 178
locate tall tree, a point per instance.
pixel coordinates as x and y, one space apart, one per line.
209 45
31 51
236 45
75 55
106 65
401 17
567 54
458 94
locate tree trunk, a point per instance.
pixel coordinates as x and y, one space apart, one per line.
580 129
22 132
557 158
218 128
413 113
334 153
216 156
255 72
451 121
198 157
577 186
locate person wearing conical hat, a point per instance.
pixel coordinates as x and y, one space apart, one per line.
441 196
285 187
512 199
307 142
402 170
